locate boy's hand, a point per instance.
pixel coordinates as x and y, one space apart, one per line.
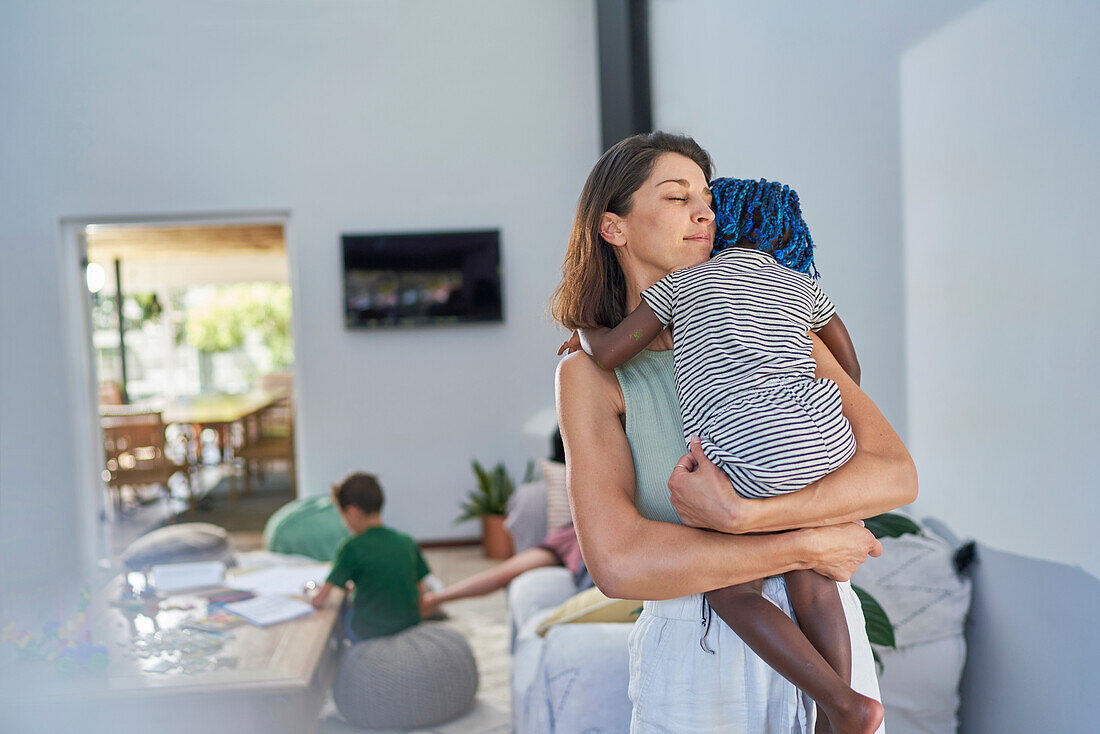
319 598
570 345
428 604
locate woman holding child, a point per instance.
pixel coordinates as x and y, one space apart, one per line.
645 211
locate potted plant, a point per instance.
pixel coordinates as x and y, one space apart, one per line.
489 501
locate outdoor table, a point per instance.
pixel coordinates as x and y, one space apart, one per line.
219 412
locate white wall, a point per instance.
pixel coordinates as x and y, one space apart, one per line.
994 105
351 116
1000 121
807 94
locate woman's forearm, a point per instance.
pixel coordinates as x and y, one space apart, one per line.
872 485
716 560
644 559
878 478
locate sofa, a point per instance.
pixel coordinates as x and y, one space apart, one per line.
981 648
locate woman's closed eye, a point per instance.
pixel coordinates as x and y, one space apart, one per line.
676 198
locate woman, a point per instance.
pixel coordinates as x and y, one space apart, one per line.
644 212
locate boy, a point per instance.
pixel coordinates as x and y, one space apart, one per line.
385 565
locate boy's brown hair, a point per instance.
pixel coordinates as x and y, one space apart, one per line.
361 490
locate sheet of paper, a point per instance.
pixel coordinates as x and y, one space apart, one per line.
171 577
288 580
267 610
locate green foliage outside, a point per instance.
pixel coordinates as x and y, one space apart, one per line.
223 322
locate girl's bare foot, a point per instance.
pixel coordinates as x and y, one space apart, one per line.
859 715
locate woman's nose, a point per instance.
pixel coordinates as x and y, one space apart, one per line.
704 213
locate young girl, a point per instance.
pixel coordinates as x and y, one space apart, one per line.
745 381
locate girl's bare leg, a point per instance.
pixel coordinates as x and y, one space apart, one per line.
489 580
781 644
816 604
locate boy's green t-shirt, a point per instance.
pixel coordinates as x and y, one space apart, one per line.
386 566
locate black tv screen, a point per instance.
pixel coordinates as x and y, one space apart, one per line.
421 279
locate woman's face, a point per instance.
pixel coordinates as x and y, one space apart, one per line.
670 225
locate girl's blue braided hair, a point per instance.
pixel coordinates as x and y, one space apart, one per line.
761 212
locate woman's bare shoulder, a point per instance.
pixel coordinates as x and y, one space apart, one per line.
579 377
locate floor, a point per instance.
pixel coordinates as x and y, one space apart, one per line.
484 621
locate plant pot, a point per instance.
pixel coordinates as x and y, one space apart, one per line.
495 538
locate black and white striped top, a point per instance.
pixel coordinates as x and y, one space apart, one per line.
739 322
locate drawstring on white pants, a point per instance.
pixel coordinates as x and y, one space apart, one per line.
707 614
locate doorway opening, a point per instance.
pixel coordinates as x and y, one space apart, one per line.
191 352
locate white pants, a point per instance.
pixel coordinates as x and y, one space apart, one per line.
678 688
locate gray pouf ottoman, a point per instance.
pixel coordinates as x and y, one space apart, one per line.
420 677
190 541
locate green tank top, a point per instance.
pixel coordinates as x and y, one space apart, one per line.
654 429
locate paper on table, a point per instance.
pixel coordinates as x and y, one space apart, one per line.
287 580
170 577
267 610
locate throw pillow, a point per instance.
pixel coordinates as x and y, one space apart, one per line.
916 582
557 500
591 606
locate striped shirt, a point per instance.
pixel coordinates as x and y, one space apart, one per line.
740 322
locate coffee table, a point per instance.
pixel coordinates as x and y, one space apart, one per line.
270 680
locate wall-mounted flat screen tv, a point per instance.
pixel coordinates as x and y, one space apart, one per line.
421 279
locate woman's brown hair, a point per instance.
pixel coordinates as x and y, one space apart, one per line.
592 291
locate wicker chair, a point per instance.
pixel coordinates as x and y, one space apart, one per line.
268 437
134 444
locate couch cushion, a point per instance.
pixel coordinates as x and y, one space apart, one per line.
527 515
926 599
591 606
423 676
916 583
919 685
191 541
573 680
557 499
535 592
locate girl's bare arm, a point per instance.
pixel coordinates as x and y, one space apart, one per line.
839 342
629 556
878 478
615 346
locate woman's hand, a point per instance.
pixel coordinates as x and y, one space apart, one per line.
570 345
839 549
703 496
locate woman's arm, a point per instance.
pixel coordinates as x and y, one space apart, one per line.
615 346
878 478
629 556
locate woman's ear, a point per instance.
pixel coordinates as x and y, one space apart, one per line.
612 229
